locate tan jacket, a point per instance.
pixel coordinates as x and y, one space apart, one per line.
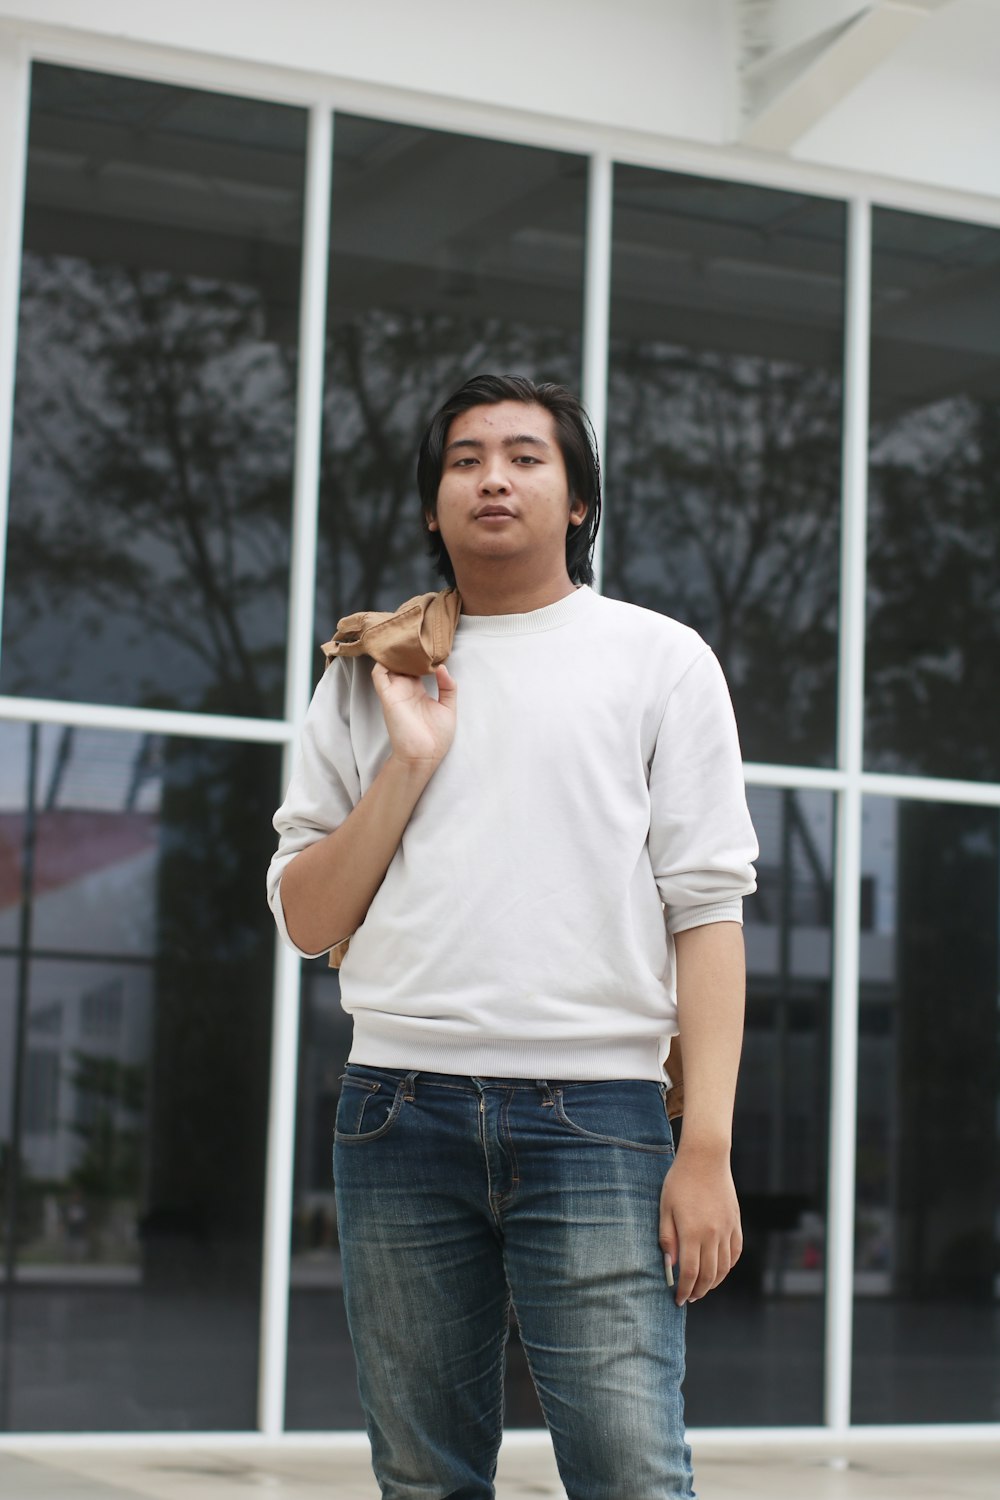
413 639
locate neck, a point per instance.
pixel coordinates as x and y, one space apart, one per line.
495 592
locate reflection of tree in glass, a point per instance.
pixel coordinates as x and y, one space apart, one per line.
723 511
933 704
151 485
211 1028
386 374
111 1101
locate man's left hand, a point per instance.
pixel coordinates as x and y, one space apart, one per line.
700 1220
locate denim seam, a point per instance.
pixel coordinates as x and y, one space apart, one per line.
507 1145
383 1129
490 1197
666 1149
502 1361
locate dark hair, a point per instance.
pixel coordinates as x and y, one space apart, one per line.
577 444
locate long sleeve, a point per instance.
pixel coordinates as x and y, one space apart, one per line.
324 787
701 840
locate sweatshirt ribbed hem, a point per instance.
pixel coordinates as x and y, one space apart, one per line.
382 1041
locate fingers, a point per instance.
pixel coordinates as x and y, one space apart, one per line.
703 1265
383 679
669 1245
447 686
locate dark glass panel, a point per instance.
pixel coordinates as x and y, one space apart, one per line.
450 256
321 1389
154 404
135 965
933 646
927 1279
723 461
755 1346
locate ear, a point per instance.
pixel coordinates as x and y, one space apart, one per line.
578 512
431 522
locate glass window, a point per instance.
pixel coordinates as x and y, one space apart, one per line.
154 404
136 957
927 1269
450 256
755 1346
723 450
934 499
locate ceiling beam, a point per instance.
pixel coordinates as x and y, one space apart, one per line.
800 59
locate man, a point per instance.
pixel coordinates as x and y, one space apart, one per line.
539 856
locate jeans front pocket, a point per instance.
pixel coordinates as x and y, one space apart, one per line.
367 1109
621 1112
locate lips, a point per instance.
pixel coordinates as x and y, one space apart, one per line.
493 510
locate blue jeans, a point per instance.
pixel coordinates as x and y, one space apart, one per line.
456 1195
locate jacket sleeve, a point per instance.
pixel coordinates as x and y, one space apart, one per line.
701 840
325 784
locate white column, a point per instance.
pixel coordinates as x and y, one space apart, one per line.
847 883
15 73
596 310
298 687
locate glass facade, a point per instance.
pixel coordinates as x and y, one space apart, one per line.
723 448
932 705
147 568
150 490
927 1279
135 991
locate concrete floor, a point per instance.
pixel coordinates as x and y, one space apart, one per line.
298 1472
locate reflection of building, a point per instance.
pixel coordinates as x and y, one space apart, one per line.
741 230
93 849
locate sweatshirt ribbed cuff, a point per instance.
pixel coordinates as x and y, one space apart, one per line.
701 916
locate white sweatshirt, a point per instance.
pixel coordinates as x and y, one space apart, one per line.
591 806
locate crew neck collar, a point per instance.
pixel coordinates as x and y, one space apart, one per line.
549 617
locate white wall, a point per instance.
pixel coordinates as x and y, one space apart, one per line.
931 113
637 70
660 65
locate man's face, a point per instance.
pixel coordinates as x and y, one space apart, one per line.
504 493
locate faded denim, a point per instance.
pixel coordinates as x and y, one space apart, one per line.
456 1195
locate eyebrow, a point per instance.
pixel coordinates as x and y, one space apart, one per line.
518 440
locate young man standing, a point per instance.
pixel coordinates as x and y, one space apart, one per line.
539 858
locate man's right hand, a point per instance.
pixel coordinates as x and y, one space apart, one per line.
421 728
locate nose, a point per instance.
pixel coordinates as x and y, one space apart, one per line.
493 479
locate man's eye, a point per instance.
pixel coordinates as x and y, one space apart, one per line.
527 458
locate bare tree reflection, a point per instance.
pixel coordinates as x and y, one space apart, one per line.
934 591
151 488
723 511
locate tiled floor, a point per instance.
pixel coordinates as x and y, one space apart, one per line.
318 1472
